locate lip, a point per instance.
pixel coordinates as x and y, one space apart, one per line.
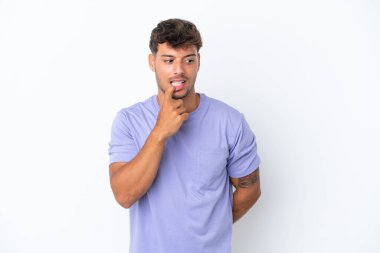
180 86
177 80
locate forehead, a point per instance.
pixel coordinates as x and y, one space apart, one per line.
165 49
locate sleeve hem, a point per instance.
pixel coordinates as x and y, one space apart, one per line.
253 167
119 158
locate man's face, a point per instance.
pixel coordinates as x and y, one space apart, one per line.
176 67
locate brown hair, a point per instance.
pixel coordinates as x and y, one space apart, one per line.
175 32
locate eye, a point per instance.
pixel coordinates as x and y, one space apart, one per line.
189 60
168 60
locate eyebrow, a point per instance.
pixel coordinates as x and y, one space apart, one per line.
169 55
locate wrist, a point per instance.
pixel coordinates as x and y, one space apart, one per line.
158 135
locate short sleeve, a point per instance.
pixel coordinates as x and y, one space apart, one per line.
243 158
122 147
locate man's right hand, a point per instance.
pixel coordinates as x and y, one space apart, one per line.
171 116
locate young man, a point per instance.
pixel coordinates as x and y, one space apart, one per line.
175 156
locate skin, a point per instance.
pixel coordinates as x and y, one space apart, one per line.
171 64
246 194
131 180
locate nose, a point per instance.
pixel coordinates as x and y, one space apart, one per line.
178 68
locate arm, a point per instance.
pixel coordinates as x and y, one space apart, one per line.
131 180
246 194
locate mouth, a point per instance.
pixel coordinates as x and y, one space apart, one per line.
178 84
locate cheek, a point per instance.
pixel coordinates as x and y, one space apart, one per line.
163 70
193 72
162 74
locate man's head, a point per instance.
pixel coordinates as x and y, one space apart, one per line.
175 58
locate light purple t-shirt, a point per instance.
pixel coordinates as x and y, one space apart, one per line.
188 208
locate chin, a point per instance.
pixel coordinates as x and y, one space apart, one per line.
181 96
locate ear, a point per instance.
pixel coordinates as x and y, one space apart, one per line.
199 61
152 62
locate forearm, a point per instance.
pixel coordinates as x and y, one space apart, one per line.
131 181
242 203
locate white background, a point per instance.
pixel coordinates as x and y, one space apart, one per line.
304 73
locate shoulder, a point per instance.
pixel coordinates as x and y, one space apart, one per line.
224 111
138 109
136 115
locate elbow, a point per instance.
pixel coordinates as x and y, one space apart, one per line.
124 200
254 197
258 194
124 197
125 205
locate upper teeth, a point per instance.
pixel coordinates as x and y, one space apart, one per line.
177 83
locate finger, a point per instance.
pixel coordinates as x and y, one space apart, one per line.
169 93
177 103
181 110
185 116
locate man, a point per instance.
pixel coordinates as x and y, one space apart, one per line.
174 156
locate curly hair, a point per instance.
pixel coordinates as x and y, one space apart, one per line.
177 33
